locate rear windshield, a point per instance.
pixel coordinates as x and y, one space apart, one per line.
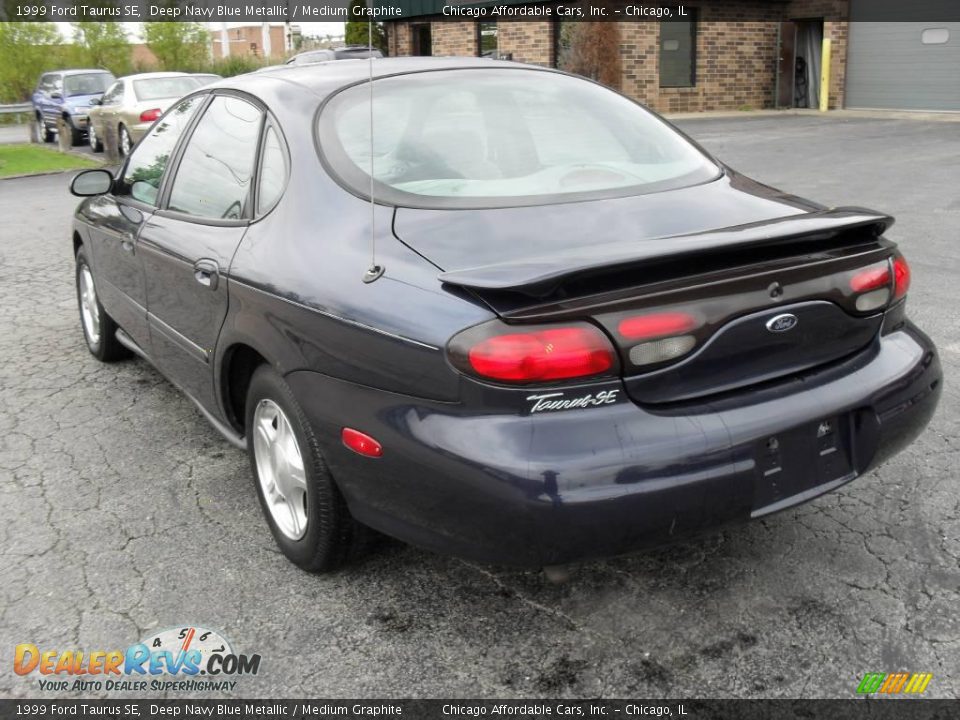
168 87
86 84
485 138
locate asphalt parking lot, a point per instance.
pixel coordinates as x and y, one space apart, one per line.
123 513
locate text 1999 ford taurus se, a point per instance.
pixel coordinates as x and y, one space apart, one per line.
581 334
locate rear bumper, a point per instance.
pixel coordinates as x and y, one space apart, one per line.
585 483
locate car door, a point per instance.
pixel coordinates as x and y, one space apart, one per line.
52 99
116 221
40 94
187 246
106 114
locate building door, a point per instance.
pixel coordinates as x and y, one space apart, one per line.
807 65
786 64
903 65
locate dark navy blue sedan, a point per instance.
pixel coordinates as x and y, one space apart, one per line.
495 310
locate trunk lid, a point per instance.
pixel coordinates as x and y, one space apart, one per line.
726 301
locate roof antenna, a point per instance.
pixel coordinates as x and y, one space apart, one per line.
374 271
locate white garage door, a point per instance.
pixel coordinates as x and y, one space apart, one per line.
903 65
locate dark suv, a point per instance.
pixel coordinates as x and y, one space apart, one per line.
67 94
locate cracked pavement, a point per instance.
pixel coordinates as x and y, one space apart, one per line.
122 512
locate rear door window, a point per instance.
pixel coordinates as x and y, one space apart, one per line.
273 171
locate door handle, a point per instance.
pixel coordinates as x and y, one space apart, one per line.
207 273
127 243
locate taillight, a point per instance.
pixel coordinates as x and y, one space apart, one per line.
880 284
901 277
150 115
665 335
645 327
534 354
872 278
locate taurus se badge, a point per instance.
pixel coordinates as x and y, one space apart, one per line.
782 323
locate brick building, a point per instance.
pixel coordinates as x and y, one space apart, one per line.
727 54
249 41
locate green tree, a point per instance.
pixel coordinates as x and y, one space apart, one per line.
26 50
102 45
177 45
356 30
591 49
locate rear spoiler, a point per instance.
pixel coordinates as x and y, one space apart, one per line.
538 276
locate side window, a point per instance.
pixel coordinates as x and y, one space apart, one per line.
216 170
113 94
142 175
273 171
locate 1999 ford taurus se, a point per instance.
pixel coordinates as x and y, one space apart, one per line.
560 330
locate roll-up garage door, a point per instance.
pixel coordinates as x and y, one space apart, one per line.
903 65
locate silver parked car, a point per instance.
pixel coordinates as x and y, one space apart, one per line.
132 104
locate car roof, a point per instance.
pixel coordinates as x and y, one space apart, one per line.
149 75
325 78
78 72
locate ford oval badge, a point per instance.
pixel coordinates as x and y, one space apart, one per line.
782 323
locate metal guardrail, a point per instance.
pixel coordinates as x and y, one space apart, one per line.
16 109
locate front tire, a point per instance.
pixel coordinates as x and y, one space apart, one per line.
76 136
99 329
307 515
43 134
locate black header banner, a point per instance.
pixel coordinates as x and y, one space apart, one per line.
454 10
854 709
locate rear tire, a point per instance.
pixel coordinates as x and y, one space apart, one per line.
99 329
124 141
307 515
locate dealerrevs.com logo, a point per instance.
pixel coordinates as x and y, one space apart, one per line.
183 659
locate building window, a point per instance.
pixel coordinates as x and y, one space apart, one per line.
487 43
678 53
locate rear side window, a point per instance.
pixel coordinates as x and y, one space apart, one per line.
167 87
113 95
273 171
215 173
142 175
494 138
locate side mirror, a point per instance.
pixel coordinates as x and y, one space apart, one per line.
56 95
96 101
91 182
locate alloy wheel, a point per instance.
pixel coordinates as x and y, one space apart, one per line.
92 136
125 143
280 469
89 307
